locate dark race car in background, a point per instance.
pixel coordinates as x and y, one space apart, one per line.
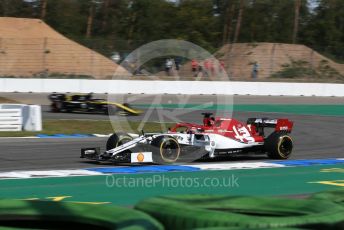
216 137
86 103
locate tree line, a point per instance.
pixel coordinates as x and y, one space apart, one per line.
126 24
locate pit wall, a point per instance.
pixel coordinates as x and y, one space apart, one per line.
170 87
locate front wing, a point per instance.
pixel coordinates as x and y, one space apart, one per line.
134 157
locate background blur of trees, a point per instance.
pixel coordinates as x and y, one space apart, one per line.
120 25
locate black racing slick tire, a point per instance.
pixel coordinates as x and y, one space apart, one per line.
117 139
166 149
278 145
56 107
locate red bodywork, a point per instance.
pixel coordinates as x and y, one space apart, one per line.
235 129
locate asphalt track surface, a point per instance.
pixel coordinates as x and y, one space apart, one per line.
314 136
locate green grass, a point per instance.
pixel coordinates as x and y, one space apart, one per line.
86 127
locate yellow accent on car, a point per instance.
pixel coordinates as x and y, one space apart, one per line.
126 108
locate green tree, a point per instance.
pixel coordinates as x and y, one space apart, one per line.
147 20
325 29
125 24
196 21
69 17
19 8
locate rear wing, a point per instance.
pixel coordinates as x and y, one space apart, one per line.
280 125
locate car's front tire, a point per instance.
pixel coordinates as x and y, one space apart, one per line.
166 149
117 139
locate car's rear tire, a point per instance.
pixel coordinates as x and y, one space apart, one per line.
56 106
117 139
165 149
278 145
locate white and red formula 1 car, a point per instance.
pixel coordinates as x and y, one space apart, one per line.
186 141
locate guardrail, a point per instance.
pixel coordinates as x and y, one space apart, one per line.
11 120
170 87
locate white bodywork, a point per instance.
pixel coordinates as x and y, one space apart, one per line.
223 142
210 142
